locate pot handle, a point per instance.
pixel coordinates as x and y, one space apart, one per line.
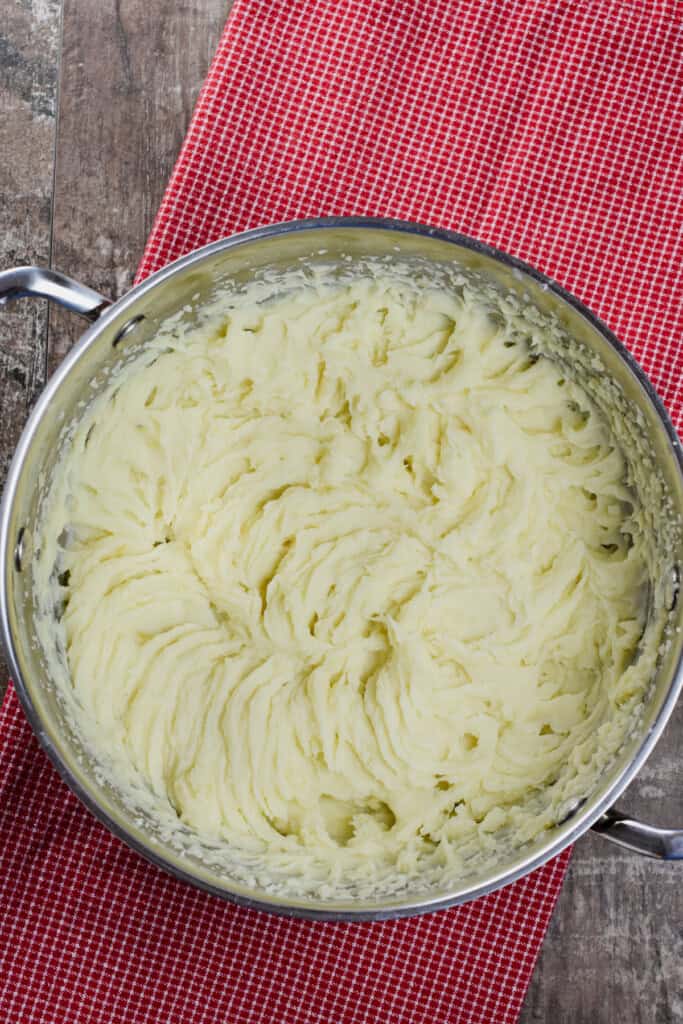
662 843
50 284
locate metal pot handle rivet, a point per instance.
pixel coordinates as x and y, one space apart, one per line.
127 329
19 549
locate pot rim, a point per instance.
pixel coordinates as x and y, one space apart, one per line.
582 819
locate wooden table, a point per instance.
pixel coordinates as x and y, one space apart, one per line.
95 97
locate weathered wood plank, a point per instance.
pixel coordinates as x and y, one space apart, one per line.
614 950
131 72
29 54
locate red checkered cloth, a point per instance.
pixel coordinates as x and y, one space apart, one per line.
552 130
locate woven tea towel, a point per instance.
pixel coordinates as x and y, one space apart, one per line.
552 130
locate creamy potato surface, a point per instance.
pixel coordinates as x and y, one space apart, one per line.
349 573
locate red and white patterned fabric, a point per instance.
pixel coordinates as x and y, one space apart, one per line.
550 129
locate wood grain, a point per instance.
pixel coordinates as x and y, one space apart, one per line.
29 58
614 950
130 73
29 52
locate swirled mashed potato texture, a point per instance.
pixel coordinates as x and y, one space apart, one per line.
350 576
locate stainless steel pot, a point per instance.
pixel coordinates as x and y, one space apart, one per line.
120 325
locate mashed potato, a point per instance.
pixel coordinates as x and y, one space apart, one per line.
349 574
